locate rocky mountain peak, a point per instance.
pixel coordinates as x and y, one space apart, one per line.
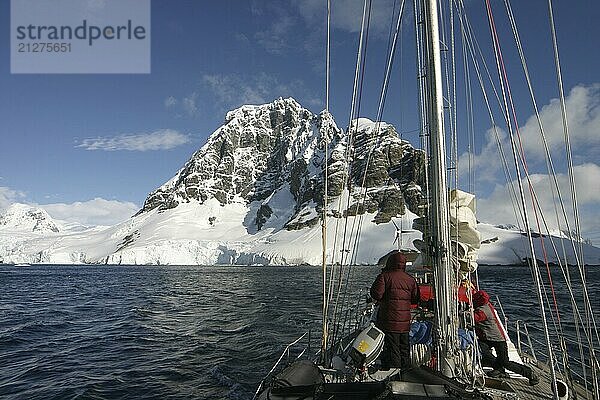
249 112
27 218
244 158
265 150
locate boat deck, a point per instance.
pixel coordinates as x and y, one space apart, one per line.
520 387
543 390
426 384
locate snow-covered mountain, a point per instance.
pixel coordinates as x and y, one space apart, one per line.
263 150
24 218
253 194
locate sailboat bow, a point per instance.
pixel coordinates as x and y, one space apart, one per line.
447 360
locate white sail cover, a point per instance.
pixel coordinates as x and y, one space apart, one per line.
463 229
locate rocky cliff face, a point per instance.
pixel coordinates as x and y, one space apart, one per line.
262 149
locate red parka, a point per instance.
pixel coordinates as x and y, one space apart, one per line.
395 290
487 324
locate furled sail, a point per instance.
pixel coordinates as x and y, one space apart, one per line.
463 230
465 237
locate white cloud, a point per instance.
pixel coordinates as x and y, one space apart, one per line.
242 38
163 139
497 207
583 108
280 20
276 22
232 90
487 163
9 196
494 203
346 15
255 8
189 104
275 39
170 102
583 116
92 212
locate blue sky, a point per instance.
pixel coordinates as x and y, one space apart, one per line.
92 146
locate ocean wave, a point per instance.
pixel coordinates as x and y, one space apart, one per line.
155 333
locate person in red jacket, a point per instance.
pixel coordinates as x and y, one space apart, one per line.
492 335
395 291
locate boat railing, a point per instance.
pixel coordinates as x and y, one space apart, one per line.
527 341
528 337
285 354
532 339
357 312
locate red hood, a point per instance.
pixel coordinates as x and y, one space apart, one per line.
480 298
396 261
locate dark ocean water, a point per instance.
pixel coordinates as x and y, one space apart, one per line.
152 332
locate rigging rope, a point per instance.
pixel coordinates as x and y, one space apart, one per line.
383 95
356 97
506 95
380 109
468 106
345 259
474 49
351 240
326 179
478 374
589 313
356 227
555 188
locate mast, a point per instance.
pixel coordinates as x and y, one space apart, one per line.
439 245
